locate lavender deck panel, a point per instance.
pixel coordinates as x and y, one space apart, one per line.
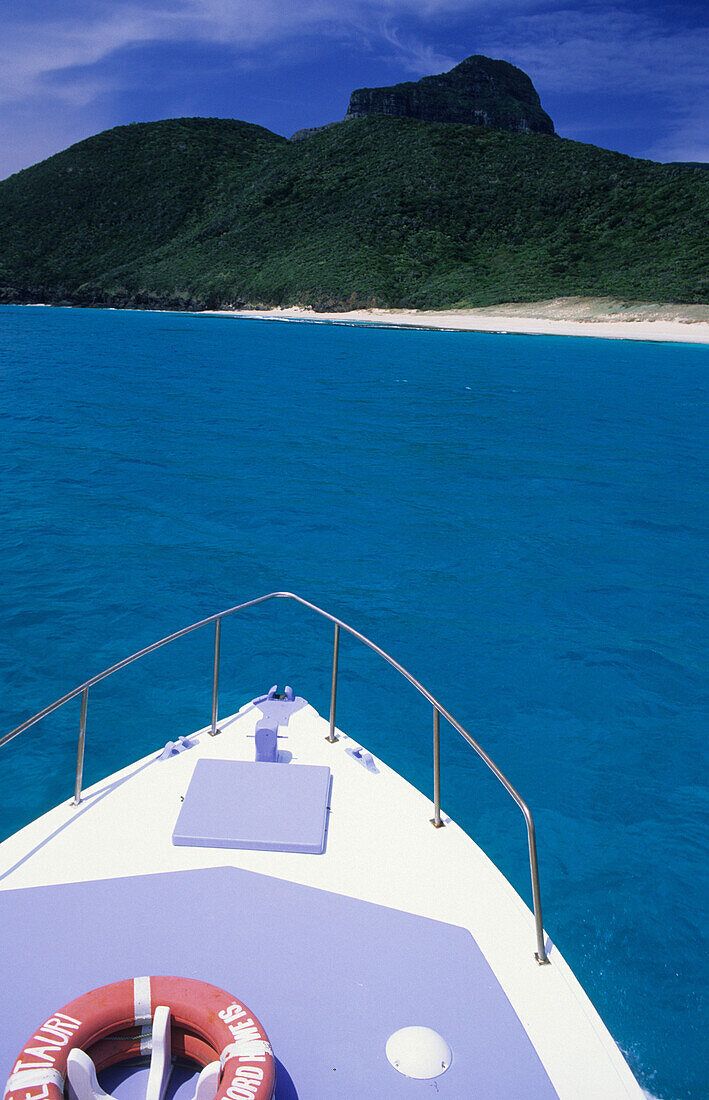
330 977
265 806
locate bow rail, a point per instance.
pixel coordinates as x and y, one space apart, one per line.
438 711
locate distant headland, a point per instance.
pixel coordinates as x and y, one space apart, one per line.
446 193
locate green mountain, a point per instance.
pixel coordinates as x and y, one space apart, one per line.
192 213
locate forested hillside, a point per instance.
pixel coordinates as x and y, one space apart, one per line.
191 213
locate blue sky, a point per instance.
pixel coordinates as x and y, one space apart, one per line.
629 75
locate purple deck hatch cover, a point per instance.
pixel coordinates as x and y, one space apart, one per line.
257 805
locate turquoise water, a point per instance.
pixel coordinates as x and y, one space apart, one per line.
520 520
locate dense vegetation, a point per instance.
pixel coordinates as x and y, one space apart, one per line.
392 212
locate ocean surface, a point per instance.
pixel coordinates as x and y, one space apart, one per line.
521 521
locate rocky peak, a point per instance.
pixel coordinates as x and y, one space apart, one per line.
478 91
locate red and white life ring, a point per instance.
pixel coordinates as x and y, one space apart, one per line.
207 1024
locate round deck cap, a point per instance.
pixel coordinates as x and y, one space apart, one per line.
418 1052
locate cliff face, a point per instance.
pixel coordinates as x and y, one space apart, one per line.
478 91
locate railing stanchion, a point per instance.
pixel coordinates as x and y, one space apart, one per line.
437 769
541 953
215 683
333 689
80 749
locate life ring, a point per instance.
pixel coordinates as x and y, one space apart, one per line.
207 1024
131 1046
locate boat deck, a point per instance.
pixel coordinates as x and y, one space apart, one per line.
394 924
330 977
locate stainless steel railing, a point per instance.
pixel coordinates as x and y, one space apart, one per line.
438 710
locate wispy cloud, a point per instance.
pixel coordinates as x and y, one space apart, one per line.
687 139
415 57
602 47
38 40
73 55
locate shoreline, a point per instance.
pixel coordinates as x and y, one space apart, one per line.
599 318
561 317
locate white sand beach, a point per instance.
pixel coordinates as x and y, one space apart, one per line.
601 317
